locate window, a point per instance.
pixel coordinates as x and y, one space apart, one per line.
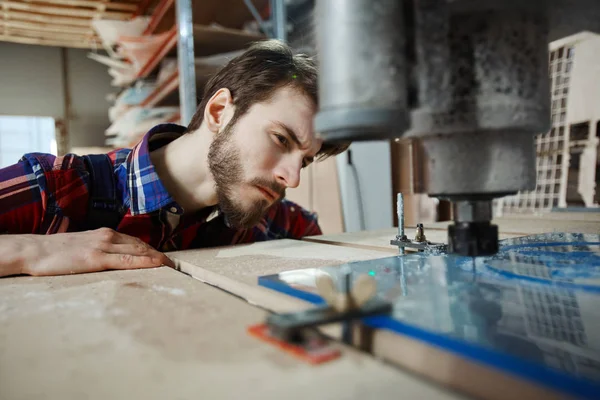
20 135
569 66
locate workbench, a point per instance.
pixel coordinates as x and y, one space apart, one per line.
164 333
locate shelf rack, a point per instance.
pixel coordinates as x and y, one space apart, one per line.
195 29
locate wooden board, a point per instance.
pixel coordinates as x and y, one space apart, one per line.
509 227
245 263
63 23
236 269
592 215
157 334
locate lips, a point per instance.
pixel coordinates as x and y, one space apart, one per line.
269 194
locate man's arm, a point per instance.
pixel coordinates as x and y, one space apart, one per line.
291 221
23 195
27 190
74 253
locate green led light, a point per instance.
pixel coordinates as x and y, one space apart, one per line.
372 273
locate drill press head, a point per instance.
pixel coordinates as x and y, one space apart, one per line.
467 82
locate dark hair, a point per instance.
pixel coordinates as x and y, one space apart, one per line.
255 75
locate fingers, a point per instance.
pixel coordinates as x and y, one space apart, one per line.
166 260
136 249
116 243
127 261
139 250
107 235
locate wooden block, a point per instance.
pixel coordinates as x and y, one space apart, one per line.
157 334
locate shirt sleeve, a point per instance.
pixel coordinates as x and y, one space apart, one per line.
41 193
294 222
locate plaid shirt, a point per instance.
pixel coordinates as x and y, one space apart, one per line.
45 194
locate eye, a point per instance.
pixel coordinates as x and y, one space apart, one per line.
282 139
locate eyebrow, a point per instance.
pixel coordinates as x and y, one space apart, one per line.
292 136
290 132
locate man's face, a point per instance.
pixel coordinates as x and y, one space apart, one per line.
261 155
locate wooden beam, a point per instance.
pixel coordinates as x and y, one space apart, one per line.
88 3
45 42
47 27
53 37
25 16
68 11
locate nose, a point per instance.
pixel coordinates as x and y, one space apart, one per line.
287 172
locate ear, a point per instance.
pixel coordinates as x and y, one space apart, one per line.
218 110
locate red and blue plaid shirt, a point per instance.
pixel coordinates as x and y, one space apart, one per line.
45 194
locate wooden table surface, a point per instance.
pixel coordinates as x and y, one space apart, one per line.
160 334
509 226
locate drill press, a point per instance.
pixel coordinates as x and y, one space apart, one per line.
466 81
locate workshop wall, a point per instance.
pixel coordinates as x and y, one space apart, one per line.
31 84
31 81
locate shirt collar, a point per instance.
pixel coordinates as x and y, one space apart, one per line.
146 191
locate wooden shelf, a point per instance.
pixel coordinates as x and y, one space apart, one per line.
170 85
168 47
165 93
227 13
176 119
61 23
217 29
207 41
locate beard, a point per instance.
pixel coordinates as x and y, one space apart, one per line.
225 164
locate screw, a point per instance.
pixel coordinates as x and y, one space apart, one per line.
400 211
420 234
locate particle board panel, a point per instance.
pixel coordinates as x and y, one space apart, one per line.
536 225
236 269
245 263
379 240
509 227
590 215
157 334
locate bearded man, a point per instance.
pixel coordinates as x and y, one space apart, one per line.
220 181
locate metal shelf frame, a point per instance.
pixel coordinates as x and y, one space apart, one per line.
185 60
185 47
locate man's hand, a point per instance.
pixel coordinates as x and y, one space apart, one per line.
74 253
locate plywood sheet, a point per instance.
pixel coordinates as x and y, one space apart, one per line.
536 225
157 334
509 227
245 263
585 216
236 269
